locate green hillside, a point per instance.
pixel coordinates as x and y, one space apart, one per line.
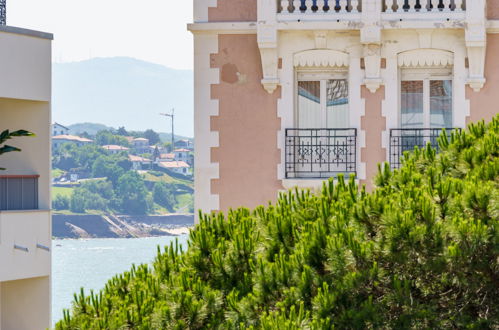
94 128
90 128
420 252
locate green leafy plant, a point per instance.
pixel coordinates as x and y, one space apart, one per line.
419 252
7 135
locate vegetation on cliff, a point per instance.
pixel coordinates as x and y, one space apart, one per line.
421 251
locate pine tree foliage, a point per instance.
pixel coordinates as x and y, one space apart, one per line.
419 252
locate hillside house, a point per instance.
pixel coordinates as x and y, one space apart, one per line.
58 129
167 157
178 167
25 216
141 145
115 149
184 144
140 163
77 140
291 93
182 155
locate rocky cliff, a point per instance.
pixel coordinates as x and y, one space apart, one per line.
113 226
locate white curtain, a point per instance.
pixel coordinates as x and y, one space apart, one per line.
412 104
309 104
441 103
337 103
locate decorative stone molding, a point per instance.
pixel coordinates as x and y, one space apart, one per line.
321 58
476 57
372 62
370 33
267 43
370 37
425 38
425 58
476 43
320 39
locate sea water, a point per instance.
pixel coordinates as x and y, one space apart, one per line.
90 263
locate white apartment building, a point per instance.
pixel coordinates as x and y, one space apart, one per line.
25 216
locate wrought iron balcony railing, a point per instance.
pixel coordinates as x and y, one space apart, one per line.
405 139
18 192
320 152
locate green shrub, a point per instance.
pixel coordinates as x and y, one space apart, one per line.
83 199
163 195
61 202
420 252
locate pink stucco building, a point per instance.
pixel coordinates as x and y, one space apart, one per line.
289 93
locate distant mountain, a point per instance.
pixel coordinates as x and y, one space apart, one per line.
90 128
122 91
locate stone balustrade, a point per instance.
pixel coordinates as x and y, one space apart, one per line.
334 7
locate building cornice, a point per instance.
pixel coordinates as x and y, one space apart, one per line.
251 27
26 32
223 27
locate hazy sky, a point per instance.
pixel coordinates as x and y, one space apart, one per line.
150 30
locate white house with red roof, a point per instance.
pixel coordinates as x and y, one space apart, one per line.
141 145
61 139
58 129
179 167
140 163
182 154
115 149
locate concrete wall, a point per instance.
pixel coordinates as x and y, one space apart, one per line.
25 304
25 95
25 229
25 68
35 157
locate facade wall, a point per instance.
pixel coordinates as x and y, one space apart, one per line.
237 177
373 123
25 304
25 229
246 124
205 107
485 104
35 155
493 9
25 95
233 11
25 67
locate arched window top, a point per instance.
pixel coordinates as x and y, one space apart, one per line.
321 58
425 58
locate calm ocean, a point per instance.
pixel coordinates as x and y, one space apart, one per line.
89 263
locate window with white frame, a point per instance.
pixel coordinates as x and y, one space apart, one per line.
426 98
322 100
322 144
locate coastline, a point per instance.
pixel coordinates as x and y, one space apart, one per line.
119 226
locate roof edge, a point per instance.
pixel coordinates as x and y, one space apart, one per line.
26 32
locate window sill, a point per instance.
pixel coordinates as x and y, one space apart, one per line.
26 211
313 184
